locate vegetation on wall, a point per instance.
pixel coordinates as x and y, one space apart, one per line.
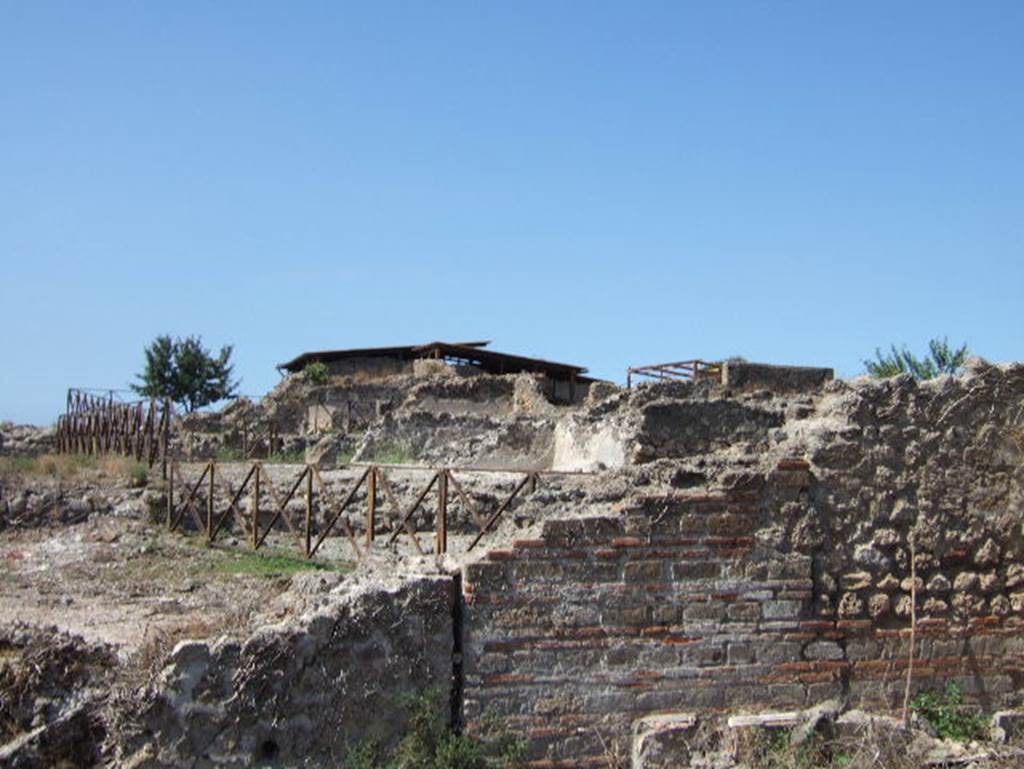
316 373
429 744
941 359
946 713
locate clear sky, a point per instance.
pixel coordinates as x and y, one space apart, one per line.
607 184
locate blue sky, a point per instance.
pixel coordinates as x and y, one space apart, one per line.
608 184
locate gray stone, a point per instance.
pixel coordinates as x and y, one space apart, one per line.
662 741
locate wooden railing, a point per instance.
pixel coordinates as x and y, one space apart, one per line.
102 425
211 501
687 370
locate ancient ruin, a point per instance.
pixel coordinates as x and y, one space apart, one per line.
648 577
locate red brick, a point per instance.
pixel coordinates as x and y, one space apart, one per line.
530 543
508 678
678 640
627 542
799 636
654 630
501 555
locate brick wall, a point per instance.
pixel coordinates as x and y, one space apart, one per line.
671 606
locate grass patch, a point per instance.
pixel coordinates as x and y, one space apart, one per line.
71 465
393 454
229 454
297 457
267 563
429 744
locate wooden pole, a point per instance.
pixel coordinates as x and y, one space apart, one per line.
442 512
371 506
309 507
913 633
256 507
170 496
209 506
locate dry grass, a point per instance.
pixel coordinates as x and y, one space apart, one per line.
61 466
1017 439
870 748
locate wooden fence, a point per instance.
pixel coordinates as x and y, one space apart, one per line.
211 502
101 425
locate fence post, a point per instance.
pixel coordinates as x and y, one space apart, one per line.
170 496
209 507
165 430
309 506
442 512
371 506
256 507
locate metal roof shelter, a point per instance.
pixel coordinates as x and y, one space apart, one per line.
467 353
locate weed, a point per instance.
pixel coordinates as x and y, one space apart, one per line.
139 474
946 713
18 465
229 454
429 744
296 457
771 748
393 454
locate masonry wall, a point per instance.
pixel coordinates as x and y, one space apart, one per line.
299 693
370 367
672 604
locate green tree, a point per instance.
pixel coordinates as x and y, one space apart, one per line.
941 359
184 371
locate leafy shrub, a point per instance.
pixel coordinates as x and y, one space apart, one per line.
316 373
139 474
946 713
941 359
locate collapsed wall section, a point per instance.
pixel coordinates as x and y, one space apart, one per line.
300 693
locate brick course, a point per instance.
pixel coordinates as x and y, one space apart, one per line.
572 636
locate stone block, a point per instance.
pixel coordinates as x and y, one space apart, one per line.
824 650
645 571
713 611
781 609
739 653
690 570
662 741
1008 725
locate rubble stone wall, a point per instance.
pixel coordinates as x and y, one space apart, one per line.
742 375
677 603
370 367
304 692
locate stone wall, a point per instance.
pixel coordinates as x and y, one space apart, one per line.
748 376
370 368
678 602
299 693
